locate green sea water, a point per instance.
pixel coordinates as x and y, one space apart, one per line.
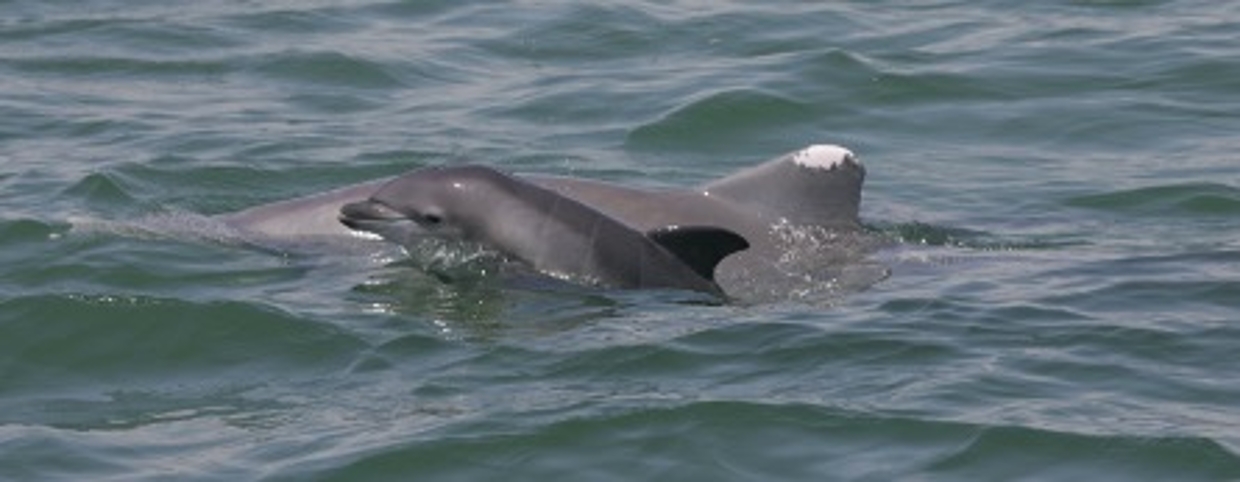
1059 180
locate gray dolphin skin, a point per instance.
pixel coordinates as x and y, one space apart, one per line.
554 234
309 217
816 186
819 185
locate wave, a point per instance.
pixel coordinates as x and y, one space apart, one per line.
1188 199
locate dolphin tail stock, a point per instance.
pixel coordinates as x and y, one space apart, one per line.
817 185
701 248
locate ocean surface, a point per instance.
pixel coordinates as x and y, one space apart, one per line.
1057 182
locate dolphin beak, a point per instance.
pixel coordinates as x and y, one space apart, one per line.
359 215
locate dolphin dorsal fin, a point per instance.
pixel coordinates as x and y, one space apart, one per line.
819 185
699 247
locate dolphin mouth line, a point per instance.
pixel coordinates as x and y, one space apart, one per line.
359 215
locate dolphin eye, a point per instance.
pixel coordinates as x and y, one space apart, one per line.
432 218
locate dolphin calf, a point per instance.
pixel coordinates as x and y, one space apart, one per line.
818 186
554 234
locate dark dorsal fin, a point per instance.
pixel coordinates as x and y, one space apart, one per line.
700 247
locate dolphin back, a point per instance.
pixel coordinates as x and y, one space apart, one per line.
818 185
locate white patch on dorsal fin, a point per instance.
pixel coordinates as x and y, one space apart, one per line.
819 185
823 156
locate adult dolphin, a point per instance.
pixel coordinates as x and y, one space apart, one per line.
554 234
799 212
817 186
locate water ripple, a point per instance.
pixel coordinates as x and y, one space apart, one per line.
1194 199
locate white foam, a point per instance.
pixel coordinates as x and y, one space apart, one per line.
823 156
